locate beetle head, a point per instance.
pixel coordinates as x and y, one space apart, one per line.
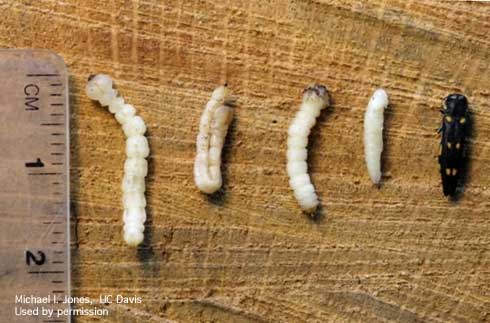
456 105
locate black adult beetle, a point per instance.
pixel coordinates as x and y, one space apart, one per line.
455 126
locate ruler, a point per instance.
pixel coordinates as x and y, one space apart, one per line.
34 186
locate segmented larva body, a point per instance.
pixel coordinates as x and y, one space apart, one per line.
215 120
315 98
373 133
99 88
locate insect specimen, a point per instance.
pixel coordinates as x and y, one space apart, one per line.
315 98
100 88
215 120
454 130
373 133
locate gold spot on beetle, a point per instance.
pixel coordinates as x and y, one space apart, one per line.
449 118
462 121
448 171
449 145
455 171
458 145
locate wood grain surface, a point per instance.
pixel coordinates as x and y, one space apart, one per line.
401 253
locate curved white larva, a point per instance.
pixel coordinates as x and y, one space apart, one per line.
213 127
315 98
373 133
99 88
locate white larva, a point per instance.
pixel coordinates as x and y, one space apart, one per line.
213 127
100 88
373 133
315 98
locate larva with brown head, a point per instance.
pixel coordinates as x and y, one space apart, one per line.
100 88
315 98
213 126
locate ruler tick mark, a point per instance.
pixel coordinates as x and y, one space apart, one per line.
55 94
57 281
54 164
58 262
44 174
47 272
57 154
57 144
41 74
57 114
57 134
56 84
51 124
56 104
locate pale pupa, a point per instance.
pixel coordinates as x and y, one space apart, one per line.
373 133
213 127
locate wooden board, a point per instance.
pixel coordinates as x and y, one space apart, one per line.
399 253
